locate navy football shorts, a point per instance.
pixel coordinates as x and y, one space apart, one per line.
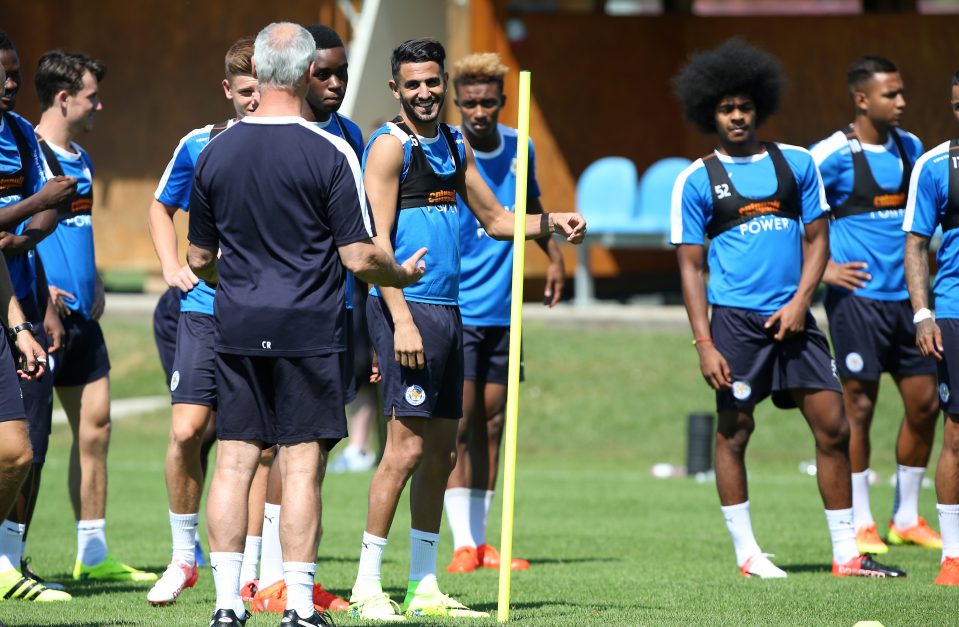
873 336
760 366
437 389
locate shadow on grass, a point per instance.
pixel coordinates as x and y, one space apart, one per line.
71 623
94 588
535 561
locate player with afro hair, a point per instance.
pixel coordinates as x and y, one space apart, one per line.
734 68
763 207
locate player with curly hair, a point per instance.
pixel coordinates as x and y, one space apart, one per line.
769 247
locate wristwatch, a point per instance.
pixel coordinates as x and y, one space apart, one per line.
24 326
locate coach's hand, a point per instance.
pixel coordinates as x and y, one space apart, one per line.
572 225
183 278
34 362
791 319
408 346
846 275
929 339
714 366
413 268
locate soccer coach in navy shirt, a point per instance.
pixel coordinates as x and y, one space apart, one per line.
282 204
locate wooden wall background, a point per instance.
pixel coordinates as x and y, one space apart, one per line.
601 86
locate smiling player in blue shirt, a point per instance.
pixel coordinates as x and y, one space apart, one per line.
865 169
484 300
934 202
763 207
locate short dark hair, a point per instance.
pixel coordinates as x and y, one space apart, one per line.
324 36
58 70
955 79
734 68
420 50
5 43
863 68
239 58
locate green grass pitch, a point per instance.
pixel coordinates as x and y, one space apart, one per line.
610 545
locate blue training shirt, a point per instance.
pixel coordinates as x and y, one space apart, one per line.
928 199
336 124
174 191
486 275
755 265
875 237
67 254
436 227
22 269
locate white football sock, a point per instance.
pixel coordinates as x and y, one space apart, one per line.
251 556
371 559
480 501
91 541
740 527
299 587
862 514
908 484
949 528
226 578
843 534
424 547
271 555
11 545
456 502
184 529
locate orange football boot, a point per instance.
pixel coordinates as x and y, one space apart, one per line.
868 540
273 599
489 558
920 534
948 572
465 560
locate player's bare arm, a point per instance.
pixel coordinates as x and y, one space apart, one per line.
202 260
498 222
850 275
928 335
556 271
384 163
39 227
54 194
163 234
792 316
692 272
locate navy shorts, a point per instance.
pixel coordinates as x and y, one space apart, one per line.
760 366
874 336
949 366
37 398
11 399
83 357
437 389
362 347
194 378
486 354
166 317
280 400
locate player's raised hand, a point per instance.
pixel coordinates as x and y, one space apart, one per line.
408 346
184 279
414 268
572 225
929 339
791 319
850 275
714 366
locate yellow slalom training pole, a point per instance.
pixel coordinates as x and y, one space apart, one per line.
515 338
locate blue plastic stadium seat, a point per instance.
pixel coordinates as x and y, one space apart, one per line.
654 195
606 195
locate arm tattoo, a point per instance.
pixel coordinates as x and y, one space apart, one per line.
917 270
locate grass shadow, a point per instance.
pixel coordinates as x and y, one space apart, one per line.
806 568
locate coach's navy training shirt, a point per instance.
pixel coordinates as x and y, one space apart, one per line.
278 195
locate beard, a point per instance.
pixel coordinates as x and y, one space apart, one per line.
409 106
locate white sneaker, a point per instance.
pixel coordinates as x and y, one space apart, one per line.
375 606
759 566
353 460
176 578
